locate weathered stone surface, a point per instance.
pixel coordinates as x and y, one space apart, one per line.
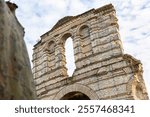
102 71
16 80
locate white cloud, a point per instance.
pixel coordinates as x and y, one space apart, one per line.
39 16
76 7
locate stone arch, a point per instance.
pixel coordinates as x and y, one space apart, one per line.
46 45
75 96
64 37
84 31
81 26
76 88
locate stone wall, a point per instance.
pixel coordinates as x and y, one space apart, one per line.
102 71
16 81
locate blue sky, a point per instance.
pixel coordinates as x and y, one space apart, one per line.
38 17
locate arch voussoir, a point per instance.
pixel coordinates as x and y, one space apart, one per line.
76 88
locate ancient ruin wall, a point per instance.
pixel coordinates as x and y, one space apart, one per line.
102 71
16 81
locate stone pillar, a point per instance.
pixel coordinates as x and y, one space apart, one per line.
94 32
16 81
77 49
60 59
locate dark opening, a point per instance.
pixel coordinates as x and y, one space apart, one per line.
75 96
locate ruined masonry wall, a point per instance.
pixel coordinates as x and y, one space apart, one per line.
103 71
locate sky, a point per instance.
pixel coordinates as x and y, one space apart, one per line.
39 16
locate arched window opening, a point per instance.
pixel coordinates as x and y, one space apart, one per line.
69 53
